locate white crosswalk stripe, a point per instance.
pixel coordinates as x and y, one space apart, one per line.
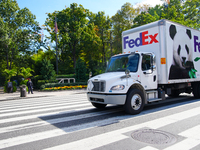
62 119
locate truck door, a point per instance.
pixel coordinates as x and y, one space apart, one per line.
148 72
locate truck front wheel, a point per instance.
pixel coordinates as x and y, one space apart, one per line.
99 106
134 102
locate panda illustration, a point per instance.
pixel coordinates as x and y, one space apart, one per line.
182 53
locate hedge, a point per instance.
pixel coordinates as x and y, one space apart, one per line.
66 76
50 85
43 82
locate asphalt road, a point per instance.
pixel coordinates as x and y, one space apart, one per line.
71 122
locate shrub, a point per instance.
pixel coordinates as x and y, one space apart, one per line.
80 70
66 76
52 85
23 82
6 86
35 80
47 70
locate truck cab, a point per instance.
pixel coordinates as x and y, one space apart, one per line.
130 80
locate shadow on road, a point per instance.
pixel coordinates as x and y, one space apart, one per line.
70 121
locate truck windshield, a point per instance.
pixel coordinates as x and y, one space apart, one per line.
123 62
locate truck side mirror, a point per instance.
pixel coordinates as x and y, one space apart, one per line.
90 75
127 72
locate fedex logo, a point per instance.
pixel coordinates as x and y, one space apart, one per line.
196 44
142 40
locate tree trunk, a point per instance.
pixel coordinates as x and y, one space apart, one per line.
7 56
12 58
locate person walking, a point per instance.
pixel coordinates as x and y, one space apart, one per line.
30 86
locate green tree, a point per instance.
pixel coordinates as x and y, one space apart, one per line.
18 33
185 13
191 11
47 70
71 23
123 20
91 45
80 70
102 25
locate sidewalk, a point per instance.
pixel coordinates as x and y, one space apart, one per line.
16 95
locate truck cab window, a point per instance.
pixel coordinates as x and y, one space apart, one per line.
146 65
123 62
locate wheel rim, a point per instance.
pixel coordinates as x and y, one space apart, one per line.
136 101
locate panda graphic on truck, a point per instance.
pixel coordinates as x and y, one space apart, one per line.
182 53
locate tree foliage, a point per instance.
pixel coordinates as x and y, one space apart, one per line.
26 72
123 20
185 13
47 70
80 70
18 32
9 73
82 34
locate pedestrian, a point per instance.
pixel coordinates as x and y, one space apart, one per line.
9 87
30 86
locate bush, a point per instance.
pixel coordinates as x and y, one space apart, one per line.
49 85
47 70
66 76
6 86
80 70
42 82
2 80
23 82
35 80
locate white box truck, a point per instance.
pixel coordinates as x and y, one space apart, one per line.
158 58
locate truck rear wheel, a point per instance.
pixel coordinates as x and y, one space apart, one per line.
134 102
99 106
196 90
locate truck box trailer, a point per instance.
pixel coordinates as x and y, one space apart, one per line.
158 58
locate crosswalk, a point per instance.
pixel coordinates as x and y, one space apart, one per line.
71 122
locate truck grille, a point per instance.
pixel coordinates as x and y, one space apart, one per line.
99 86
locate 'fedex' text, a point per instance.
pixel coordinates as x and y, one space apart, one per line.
196 44
142 40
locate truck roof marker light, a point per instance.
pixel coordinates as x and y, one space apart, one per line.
129 52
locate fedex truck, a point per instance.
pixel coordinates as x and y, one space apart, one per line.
158 58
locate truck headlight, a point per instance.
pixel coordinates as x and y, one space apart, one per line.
118 87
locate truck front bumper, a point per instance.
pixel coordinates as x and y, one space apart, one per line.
107 98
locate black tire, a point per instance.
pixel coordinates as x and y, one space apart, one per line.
174 93
196 90
134 102
99 106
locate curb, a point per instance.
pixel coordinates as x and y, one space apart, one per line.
17 98
38 94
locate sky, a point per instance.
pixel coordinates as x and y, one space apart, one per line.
40 7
